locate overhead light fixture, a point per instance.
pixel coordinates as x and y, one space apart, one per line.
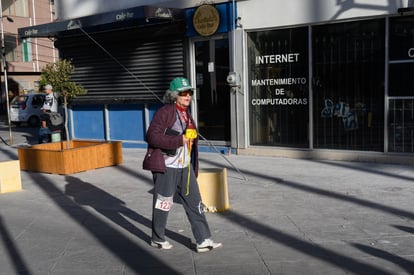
401 11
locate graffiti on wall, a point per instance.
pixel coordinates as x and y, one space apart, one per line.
342 110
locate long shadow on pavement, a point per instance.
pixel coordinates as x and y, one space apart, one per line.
15 256
132 255
330 194
405 228
7 151
364 167
332 257
311 249
405 264
342 261
315 251
113 208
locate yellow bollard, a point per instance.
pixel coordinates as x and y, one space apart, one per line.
212 183
10 180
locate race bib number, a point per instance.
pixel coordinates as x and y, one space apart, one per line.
164 203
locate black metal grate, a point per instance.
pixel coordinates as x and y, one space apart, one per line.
134 65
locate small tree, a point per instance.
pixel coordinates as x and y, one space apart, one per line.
58 75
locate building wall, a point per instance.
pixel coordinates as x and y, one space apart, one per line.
280 13
42 49
69 9
276 13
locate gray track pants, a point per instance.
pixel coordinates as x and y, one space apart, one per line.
174 181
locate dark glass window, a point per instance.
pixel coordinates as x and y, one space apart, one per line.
348 85
401 38
401 81
401 85
278 86
401 70
401 125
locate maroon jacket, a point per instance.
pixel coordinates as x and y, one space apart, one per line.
164 118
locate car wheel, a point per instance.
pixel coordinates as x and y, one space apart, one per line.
34 121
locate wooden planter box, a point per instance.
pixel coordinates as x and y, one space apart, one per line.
81 156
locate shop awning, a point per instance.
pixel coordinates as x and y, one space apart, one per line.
121 19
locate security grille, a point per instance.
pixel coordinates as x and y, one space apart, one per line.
131 66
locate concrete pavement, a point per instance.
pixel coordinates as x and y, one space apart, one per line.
286 216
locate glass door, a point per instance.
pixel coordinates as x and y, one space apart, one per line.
213 93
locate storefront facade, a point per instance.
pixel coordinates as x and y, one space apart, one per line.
294 80
330 89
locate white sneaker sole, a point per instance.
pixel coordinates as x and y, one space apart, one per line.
208 248
160 246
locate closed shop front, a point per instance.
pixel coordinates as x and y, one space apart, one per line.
337 86
126 74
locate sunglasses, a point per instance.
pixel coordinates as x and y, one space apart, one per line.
186 93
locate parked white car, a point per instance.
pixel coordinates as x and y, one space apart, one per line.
26 109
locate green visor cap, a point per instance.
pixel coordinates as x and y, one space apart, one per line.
180 84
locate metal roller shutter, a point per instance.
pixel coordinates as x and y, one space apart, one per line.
131 66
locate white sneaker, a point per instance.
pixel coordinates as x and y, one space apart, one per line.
161 245
207 245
